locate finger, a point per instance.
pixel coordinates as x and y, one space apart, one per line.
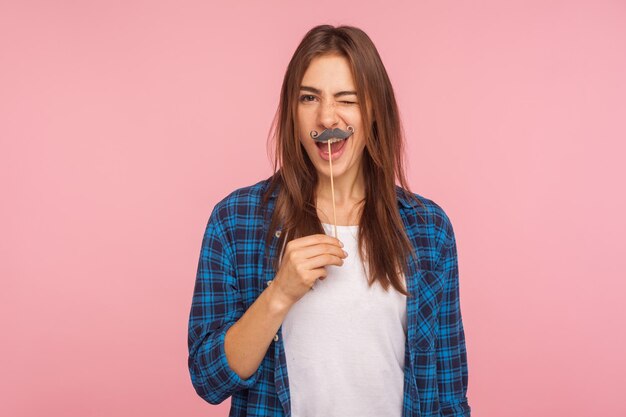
312 251
319 273
321 261
313 240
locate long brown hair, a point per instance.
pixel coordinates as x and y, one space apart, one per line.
383 242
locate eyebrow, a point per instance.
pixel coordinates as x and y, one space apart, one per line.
316 91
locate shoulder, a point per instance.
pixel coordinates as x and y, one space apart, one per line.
240 202
427 217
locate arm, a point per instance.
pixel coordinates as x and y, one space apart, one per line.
218 326
452 373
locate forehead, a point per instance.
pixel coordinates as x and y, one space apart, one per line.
329 72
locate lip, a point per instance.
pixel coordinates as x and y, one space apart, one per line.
335 155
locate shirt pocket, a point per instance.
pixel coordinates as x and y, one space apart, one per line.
430 290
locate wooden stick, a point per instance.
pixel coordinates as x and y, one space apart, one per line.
332 187
332 190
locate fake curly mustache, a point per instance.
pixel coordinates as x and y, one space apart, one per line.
329 134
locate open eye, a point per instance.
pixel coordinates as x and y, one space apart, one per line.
304 97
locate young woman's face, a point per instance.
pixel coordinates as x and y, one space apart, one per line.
324 104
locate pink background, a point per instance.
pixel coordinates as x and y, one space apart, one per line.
122 123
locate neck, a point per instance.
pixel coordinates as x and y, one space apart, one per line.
349 190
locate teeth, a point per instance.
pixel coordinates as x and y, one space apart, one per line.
333 140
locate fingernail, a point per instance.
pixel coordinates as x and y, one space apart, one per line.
345 253
341 243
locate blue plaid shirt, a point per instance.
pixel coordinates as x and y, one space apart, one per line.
233 271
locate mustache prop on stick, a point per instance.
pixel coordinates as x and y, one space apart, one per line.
329 136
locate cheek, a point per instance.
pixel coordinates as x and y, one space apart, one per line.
305 134
359 144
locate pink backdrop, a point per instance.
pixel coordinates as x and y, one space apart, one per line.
123 123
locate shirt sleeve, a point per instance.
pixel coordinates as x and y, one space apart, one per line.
215 307
452 372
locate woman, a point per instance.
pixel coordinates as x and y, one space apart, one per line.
382 333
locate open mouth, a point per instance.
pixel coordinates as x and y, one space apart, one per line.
336 145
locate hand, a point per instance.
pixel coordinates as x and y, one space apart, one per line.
303 262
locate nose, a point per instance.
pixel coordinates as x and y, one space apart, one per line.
328 114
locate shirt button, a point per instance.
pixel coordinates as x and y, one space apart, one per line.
269 282
277 234
275 338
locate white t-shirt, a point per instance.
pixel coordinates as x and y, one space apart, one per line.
344 343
